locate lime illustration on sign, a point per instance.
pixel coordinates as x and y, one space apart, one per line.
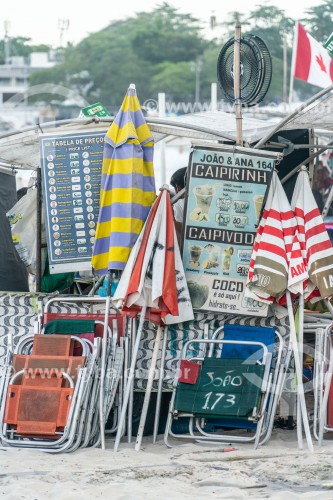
71 173
225 195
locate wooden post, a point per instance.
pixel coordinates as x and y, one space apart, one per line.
238 104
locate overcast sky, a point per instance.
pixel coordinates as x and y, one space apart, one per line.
39 20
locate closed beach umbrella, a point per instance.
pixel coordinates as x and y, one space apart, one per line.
317 254
126 195
154 275
314 240
269 265
154 281
127 186
276 253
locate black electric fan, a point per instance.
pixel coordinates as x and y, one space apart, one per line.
255 70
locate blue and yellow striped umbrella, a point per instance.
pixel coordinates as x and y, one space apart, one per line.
127 186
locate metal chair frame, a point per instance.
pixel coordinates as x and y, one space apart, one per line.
278 378
197 433
322 378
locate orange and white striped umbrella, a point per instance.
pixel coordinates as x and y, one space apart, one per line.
154 276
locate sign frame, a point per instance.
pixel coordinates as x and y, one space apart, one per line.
72 162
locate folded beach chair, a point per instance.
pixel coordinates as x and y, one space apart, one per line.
322 381
90 390
238 383
107 401
44 401
271 338
115 355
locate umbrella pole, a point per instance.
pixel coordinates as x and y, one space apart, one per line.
103 364
300 388
160 385
300 350
131 398
148 389
323 406
129 380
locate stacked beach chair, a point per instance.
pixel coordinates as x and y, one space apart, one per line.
59 387
322 328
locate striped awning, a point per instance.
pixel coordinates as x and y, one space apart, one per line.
127 186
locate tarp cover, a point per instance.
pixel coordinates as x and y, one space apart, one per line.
13 273
22 148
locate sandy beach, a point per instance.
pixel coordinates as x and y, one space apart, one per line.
277 470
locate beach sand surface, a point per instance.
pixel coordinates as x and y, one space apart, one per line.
277 470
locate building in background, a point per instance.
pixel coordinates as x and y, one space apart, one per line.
15 111
15 74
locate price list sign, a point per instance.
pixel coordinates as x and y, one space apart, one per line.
225 193
71 175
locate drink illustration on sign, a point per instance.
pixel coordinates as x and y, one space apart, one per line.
203 195
226 258
195 252
213 257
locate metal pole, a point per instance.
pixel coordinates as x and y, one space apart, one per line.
161 114
131 397
160 385
213 97
293 61
299 375
304 162
300 350
198 66
39 232
154 123
285 74
103 364
130 377
238 104
148 389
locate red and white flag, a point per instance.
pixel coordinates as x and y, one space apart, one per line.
311 60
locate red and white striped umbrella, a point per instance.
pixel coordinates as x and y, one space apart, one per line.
315 244
317 254
269 266
277 269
